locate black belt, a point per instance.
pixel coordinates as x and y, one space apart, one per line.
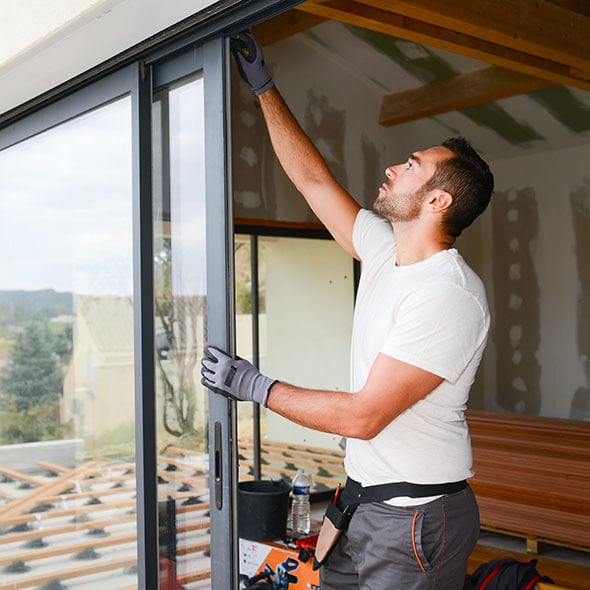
355 493
344 504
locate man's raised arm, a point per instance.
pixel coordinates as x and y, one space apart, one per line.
300 159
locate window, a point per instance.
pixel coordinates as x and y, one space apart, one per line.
299 331
67 401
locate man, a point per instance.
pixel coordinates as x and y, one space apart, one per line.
420 328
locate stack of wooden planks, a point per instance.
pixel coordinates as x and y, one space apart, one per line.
532 477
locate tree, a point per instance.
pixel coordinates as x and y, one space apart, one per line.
179 319
31 388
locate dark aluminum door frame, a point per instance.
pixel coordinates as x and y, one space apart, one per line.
143 308
210 58
223 472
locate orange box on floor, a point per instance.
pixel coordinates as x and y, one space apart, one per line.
255 556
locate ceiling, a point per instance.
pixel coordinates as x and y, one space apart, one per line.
512 75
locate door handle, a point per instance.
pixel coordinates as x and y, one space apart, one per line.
218 477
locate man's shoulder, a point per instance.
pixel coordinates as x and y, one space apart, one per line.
371 230
464 273
449 280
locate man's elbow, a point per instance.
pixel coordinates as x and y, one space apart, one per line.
365 429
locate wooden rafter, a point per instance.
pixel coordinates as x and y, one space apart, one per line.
422 21
285 25
537 27
456 93
579 6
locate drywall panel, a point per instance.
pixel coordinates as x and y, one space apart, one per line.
541 257
309 302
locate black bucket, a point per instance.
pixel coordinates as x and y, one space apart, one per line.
263 506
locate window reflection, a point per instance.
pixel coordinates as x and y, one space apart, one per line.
180 308
67 475
305 289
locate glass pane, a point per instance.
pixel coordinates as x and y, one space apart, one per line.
306 299
180 307
67 444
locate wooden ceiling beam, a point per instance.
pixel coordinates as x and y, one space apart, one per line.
456 93
537 27
285 25
362 15
579 6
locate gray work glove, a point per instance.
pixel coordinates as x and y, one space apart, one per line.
236 378
250 61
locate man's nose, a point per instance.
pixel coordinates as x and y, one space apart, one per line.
390 172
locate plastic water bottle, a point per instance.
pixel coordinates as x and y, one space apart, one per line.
300 517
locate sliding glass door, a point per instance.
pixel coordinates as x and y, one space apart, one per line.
114 232
193 431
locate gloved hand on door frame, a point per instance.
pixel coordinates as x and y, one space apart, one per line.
235 378
250 61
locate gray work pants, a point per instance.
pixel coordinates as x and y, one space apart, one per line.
414 548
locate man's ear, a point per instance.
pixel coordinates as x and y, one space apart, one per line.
439 201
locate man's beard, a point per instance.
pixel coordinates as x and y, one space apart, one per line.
400 207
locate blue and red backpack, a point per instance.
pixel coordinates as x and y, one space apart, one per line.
505 574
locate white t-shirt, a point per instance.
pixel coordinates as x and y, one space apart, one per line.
433 315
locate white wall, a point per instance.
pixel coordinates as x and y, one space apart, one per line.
309 302
340 114
45 43
552 178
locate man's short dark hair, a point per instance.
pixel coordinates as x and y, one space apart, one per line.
468 178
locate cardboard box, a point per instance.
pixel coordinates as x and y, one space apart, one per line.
255 555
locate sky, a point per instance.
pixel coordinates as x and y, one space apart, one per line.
66 202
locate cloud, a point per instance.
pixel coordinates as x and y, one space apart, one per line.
66 201
66 206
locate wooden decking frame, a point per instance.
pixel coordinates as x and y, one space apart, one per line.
532 481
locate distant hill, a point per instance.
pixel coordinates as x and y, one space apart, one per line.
18 307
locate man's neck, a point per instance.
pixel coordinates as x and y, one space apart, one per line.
414 244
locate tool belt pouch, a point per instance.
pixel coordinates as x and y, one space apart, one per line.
334 524
338 514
